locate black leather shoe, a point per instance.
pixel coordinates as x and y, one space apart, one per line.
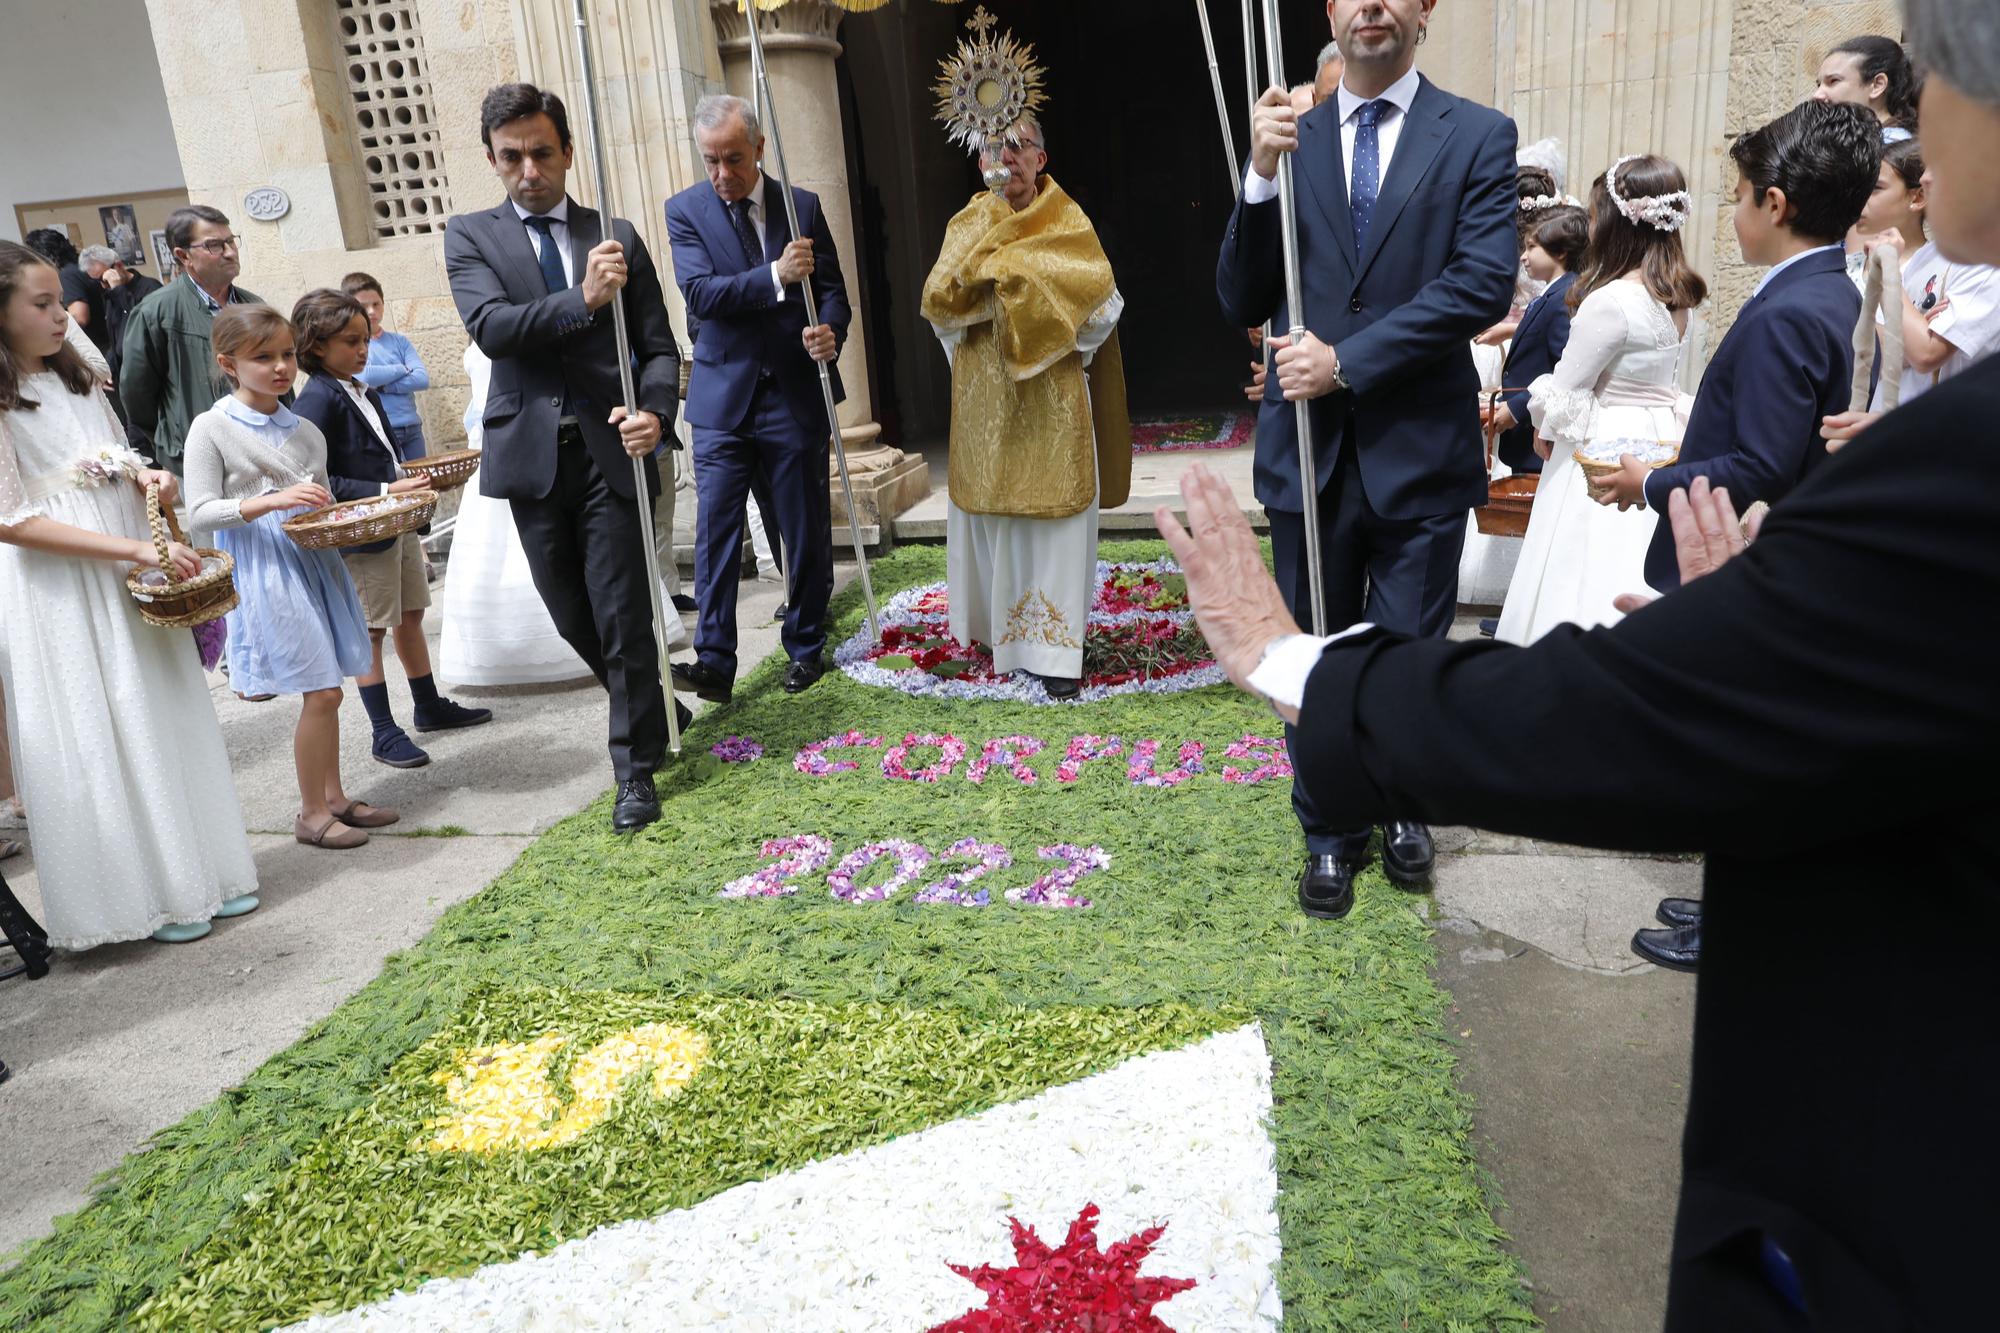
780 614
1679 911
1407 852
1679 948
1062 688
804 673
1489 628
684 603
703 682
1326 889
683 715
637 805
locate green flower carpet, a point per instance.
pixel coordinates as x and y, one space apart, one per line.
927 1005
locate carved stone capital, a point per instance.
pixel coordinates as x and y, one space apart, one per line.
801 25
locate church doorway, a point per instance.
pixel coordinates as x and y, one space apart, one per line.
1132 137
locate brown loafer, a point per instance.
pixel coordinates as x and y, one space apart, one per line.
332 834
360 814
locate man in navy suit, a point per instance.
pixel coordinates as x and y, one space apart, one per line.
1788 361
1406 199
754 397
533 280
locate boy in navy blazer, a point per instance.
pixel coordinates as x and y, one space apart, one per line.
362 463
1788 362
1555 248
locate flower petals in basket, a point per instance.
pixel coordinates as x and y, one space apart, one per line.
1599 458
360 522
445 471
173 603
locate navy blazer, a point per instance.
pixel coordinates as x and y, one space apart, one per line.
1538 344
547 346
1438 268
358 463
1791 354
741 329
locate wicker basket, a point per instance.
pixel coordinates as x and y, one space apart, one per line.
1594 471
388 517
181 604
1509 500
446 471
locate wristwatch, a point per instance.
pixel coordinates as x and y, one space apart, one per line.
1339 380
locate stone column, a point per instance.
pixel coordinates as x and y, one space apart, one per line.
800 48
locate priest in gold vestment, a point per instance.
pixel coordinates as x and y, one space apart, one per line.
1023 299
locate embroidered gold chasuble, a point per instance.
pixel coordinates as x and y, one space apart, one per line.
1033 433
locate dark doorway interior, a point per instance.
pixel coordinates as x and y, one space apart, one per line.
1133 139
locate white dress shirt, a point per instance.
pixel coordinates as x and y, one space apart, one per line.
757 224
558 233
358 391
1289 662
1388 132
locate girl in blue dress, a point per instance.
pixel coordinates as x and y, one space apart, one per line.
250 465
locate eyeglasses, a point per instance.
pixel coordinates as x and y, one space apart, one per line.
219 246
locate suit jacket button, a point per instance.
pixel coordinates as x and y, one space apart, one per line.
555 402
1355 305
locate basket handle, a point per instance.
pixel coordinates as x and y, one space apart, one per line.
165 527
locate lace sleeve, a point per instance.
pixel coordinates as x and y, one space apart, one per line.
1564 404
1099 326
14 506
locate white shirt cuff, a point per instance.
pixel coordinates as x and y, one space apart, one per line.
1281 677
777 282
1257 190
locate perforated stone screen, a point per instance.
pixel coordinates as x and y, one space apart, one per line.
395 123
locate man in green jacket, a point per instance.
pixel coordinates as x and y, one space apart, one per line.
168 375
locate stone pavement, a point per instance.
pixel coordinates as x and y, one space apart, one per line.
1574 1052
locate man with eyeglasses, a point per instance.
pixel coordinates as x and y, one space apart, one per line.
167 375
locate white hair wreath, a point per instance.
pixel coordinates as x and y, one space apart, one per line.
1542 201
1664 212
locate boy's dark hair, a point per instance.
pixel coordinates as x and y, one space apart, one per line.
319 315
1620 245
1825 156
513 101
180 223
51 245
1564 232
356 283
1885 56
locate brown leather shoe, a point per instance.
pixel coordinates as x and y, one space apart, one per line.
332 834
360 814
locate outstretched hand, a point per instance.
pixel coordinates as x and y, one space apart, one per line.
1236 601
1707 536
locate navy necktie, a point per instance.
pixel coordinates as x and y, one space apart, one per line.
1367 175
753 249
550 258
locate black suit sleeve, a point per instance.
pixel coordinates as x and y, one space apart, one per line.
708 294
1820 687
499 326
829 286
655 354
1249 273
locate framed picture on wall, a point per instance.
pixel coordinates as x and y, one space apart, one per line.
121 231
162 253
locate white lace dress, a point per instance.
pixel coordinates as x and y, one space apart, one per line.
1616 380
131 805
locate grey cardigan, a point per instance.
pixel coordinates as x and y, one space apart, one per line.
227 462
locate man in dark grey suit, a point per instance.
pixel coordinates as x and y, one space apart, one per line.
533 280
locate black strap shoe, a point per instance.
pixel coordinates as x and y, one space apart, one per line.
1062 688
1679 948
1408 854
804 673
702 681
637 805
1679 911
1326 889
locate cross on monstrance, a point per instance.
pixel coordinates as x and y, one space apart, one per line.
982 22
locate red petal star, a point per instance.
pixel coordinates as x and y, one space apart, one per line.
1074 1289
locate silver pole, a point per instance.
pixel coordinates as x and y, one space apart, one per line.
624 341
763 81
1221 100
1288 206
